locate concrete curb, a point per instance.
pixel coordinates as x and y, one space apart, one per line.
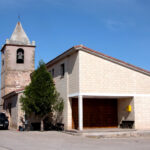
111 134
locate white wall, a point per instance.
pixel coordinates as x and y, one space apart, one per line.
142 112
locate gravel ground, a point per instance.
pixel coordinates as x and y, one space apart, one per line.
51 140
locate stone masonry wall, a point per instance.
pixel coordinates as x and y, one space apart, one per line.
13 112
13 75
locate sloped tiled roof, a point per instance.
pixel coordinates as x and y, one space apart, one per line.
13 93
99 54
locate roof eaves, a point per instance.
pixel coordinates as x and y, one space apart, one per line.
61 56
19 90
9 95
16 45
91 51
13 93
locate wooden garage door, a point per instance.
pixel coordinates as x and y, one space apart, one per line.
96 113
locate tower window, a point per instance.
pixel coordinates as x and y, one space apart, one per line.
20 56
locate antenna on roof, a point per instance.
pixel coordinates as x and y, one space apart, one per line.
19 18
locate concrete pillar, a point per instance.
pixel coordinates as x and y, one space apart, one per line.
80 112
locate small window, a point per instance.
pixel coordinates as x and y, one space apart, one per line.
53 72
62 70
20 56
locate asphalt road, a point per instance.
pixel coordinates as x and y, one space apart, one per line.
15 140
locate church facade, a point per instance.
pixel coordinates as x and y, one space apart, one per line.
101 91
98 90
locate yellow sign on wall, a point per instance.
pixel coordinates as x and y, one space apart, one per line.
129 108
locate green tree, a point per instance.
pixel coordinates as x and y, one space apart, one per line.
40 96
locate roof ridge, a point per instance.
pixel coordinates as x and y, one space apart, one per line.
104 56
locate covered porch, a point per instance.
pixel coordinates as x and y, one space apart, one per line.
91 111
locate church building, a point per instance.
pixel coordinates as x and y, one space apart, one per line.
99 91
17 63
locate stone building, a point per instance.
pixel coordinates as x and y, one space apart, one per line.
98 90
17 57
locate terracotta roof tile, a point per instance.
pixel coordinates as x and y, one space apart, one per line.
13 93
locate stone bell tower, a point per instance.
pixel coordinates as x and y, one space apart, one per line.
17 61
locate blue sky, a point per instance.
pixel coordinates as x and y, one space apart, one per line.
119 28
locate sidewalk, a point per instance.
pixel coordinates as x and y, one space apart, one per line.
109 133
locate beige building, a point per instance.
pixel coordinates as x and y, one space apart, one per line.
101 91
98 90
